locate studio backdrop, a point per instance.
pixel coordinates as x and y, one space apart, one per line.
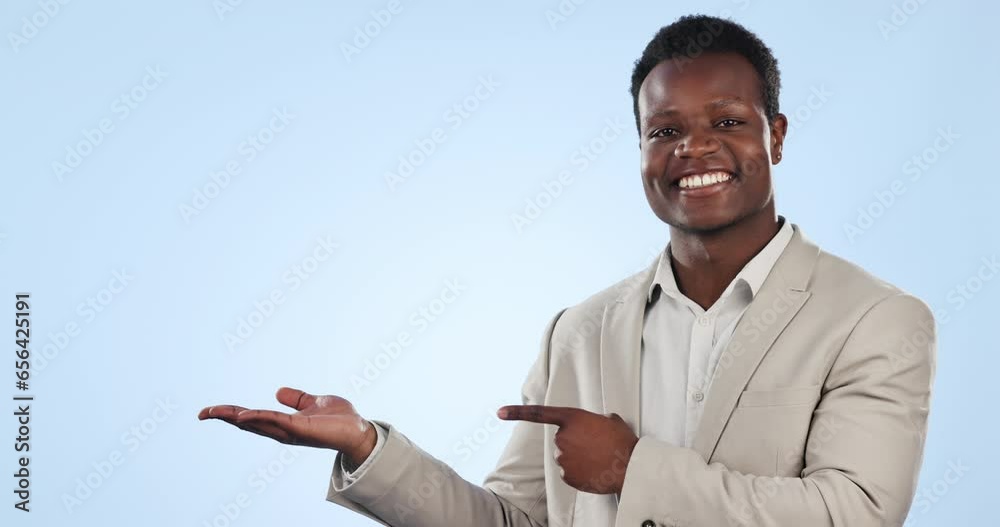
204 201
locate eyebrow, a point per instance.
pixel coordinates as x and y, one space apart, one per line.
718 104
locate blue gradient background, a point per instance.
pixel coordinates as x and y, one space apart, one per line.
161 338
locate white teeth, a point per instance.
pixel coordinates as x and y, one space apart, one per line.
703 180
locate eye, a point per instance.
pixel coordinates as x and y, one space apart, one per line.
663 132
729 123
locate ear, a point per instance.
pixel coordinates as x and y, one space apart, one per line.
779 126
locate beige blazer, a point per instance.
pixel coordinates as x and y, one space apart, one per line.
817 416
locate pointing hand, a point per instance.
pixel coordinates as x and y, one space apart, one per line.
592 450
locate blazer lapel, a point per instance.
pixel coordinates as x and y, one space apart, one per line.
621 338
780 297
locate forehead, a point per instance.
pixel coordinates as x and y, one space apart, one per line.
688 84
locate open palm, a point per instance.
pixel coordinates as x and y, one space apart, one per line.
323 421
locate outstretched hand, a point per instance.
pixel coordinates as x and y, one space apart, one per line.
323 421
592 450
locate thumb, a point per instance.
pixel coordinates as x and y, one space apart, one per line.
294 398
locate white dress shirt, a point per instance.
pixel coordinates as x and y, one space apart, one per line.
681 344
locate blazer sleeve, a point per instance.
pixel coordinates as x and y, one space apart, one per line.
404 486
859 471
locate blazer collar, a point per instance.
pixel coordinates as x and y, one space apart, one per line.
780 297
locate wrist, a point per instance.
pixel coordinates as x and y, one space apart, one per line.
360 452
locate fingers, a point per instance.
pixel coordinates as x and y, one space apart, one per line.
290 397
261 422
268 430
270 419
294 398
554 415
226 412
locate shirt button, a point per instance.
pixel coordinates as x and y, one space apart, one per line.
704 321
698 396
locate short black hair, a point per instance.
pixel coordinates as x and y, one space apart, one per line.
692 35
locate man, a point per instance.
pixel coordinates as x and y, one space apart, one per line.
745 378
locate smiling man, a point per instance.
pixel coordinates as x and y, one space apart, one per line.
747 377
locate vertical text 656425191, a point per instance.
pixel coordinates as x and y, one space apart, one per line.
22 336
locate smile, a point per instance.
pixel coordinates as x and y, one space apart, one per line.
703 180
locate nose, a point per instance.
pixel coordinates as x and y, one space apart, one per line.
697 143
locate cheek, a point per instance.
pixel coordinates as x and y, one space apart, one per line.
652 162
754 160
644 161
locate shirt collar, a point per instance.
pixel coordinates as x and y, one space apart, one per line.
752 274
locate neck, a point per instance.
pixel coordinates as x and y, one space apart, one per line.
705 263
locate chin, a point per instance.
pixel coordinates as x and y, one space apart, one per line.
705 226
701 223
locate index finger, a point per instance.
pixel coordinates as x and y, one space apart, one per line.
537 413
